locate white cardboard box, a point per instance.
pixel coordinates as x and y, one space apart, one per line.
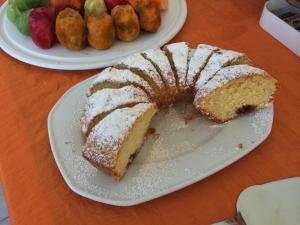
279 29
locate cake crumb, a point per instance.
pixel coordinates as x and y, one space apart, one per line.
151 131
189 118
241 146
156 136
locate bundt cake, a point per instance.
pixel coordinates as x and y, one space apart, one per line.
114 78
115 140
143 68
105 101
219 59
177 54
122 100
198 61
233 91
162 65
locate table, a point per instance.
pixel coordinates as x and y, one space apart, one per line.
36 192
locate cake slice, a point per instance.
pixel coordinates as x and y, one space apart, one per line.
160 61
137 64
233 91
218 60
113 78
104 101
114 141
198 62
177 54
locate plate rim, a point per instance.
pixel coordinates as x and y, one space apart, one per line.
24 56
131 202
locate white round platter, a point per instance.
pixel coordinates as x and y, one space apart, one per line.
22 48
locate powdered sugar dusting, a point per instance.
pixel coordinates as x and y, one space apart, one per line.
106 100
217 61
188 136
159 166
105 139
180 52
260 119
158 57
137 61
227 74
198 61
114 75
183 153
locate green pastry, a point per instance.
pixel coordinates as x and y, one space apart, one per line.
27 4
22 22
94 8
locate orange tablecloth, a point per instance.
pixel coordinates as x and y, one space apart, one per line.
36 192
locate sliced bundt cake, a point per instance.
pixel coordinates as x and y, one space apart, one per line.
198 61
137 64
114 141
178 54
104 101
113 78
122 100
233 91
218 60
163 67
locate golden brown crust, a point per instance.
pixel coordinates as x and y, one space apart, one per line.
169 95
98 118
149 16
126 22
101 31
101 167
158 91
70 29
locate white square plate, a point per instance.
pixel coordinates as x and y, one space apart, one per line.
179 155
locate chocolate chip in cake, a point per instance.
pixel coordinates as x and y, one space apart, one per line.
150 131
246 109
131 158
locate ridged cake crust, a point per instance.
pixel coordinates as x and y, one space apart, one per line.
119 78
227 74
222 78
142 67
198 62
106 100
178 54
217 61
104 144
162 65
